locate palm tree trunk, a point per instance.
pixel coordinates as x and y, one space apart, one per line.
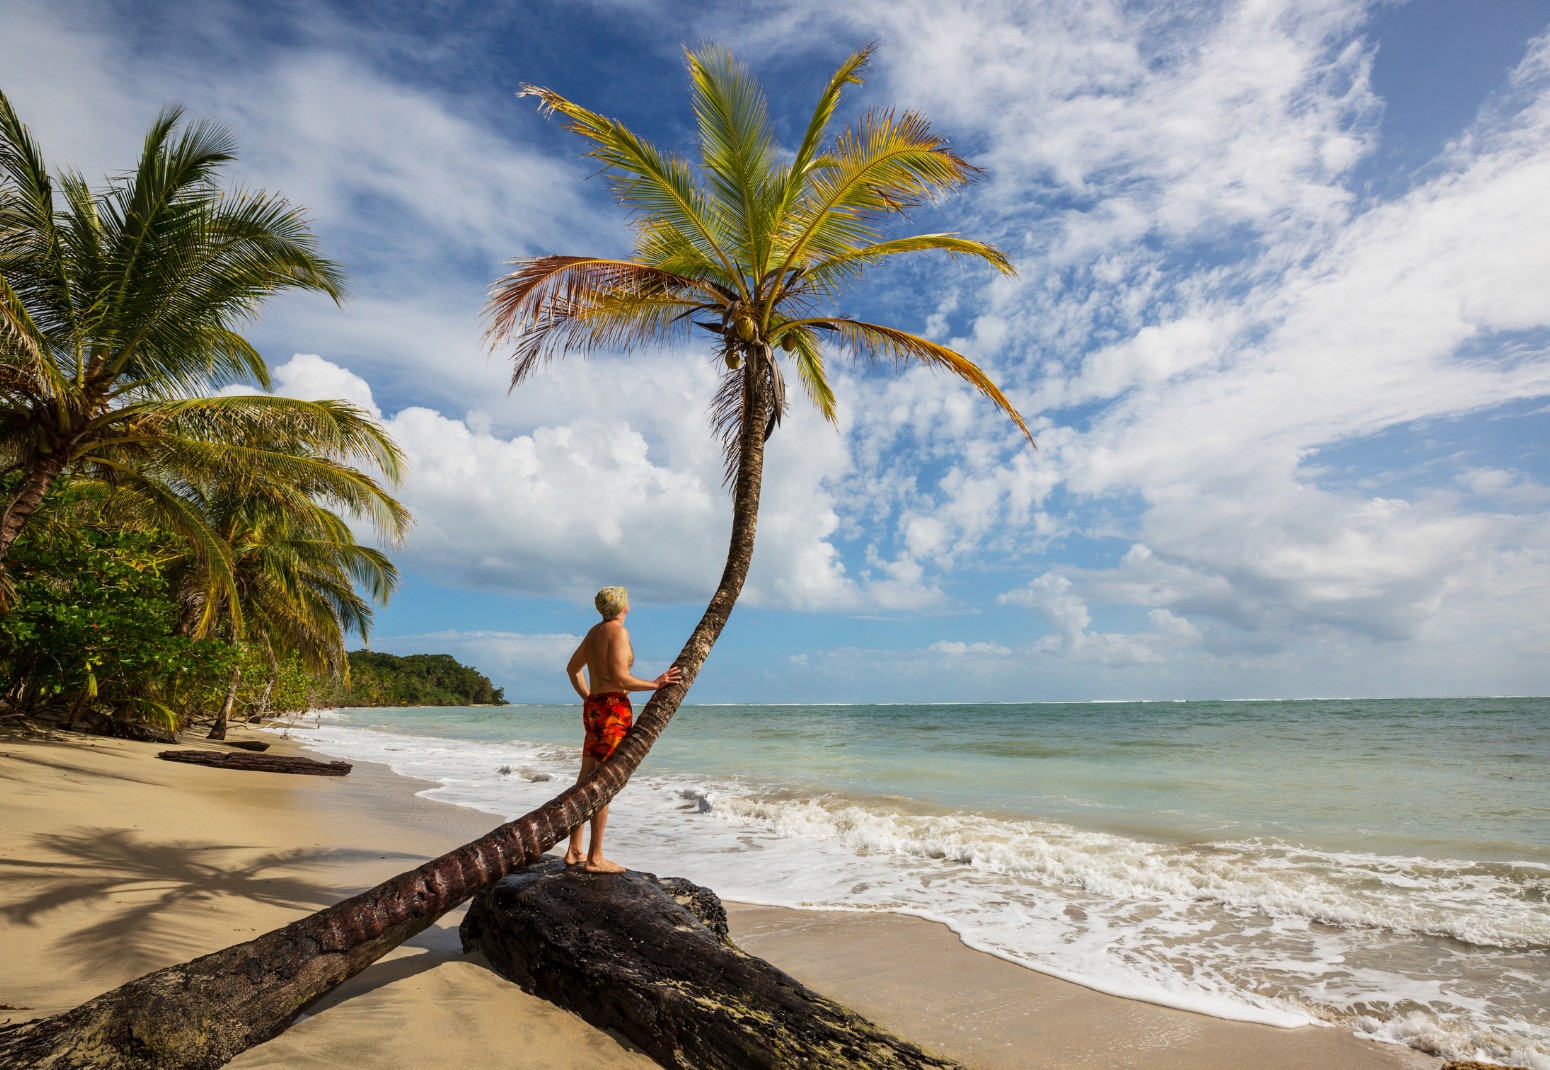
30 495
203 1013
218 729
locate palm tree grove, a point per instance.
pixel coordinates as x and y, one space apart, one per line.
160 534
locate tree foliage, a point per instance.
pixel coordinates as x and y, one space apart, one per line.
162 533
120 316
94 625
378 679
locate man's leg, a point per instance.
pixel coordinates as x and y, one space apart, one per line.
596 863
574 855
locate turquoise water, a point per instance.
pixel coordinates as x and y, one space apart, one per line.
1456 777
1381 865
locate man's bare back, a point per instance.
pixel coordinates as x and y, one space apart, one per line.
599 672
609 657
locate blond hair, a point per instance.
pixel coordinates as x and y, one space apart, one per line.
612 601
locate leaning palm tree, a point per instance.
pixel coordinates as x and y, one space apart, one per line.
751 249
116 304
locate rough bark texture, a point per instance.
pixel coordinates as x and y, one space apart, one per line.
652 960
222 719
202 1013
248 744
28 497
258 763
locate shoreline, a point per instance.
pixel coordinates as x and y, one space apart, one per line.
114 864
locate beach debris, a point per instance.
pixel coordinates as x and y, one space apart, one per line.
522 772
258 763
653 960
248 744
102 724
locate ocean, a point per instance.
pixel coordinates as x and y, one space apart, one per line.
1379 866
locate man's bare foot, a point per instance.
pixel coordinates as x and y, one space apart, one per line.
574 858
602 865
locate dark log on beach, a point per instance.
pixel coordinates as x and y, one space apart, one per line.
259 763
652 960
198 1015
248 744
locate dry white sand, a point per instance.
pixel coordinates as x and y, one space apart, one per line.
113 864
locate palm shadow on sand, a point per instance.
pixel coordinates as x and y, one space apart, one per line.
144 890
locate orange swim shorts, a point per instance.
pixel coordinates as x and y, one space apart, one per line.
607 716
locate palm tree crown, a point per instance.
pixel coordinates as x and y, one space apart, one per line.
749 246
119 309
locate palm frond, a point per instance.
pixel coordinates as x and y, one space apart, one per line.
885 166
848 73
335 430
560 304
807 357
833 273
25 370
645 179
31 246
661 245
249 468
872 341
223 258
737 146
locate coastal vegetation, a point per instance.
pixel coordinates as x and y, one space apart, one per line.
416 680
170 546
753 246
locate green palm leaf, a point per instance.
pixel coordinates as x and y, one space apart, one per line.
737 145
135 294
872 341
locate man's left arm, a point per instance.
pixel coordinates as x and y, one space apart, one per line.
576 670
619 668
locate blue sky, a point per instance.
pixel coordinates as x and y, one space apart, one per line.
1281 326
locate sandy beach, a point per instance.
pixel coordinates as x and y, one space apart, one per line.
113 864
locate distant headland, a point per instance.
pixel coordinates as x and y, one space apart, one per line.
415 680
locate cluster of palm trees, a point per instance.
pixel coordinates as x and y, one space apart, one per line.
120 330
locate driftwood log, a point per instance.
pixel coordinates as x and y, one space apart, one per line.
256 745
260 763
652 960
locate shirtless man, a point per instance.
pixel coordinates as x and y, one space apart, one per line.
605 658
